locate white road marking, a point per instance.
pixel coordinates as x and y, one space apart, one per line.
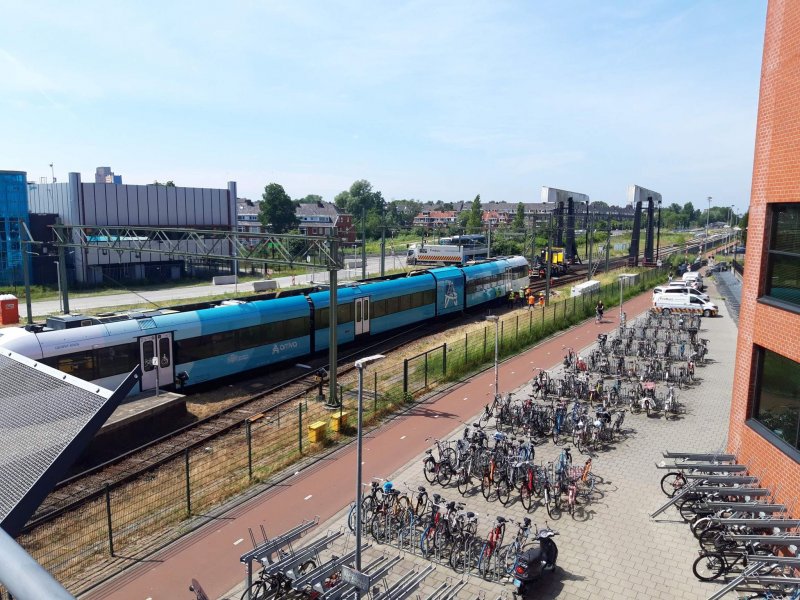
308 497
403 437
239 541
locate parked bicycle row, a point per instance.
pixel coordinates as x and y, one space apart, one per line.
744 537
445 532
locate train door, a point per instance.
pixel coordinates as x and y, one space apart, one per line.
508 280
362 315
159 345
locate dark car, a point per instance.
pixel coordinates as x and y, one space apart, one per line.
739 250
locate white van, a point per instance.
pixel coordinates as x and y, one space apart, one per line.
694 277
680 288
683 303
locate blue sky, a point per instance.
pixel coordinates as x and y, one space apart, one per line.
427 100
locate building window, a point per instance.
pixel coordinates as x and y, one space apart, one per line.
783 266
777 396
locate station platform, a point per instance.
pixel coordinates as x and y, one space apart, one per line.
145 407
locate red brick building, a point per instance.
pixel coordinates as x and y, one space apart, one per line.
765 412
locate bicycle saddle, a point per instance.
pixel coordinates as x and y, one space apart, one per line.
470 514
501 519
451 505
429 451
436 498
527 522
421 488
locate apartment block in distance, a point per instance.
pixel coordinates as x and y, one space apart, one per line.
765 411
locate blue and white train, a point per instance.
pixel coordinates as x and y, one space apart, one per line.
232 337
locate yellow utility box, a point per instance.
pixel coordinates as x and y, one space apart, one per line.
339 421
316 431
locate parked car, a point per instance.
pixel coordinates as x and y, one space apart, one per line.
739 250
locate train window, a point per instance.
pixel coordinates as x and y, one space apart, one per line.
392 305
344 313
164 352
295 328
378 308
79 364
358 312
405 302
116 360
429 296
321 320
148 352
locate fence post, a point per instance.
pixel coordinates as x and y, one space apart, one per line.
188 485
444 360
502 333
574 300
484 343
530 321
466 349
249 426
543 307
300 426
426 369
405 378
108 519
375 397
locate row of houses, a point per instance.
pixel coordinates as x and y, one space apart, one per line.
316 218
500 213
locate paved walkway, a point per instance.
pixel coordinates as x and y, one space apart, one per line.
613 551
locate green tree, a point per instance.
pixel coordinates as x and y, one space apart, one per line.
475 218
277 209
519 219
743 224
310 199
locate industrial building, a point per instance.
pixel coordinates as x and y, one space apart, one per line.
764 428
78 203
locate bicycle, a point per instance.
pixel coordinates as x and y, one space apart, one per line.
712 565
493 541
274 584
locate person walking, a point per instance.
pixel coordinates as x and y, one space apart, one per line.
531 301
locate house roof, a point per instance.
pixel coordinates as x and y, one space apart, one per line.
310 209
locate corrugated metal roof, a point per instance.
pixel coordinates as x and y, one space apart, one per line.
42 412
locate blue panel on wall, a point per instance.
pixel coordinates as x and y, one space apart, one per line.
13 208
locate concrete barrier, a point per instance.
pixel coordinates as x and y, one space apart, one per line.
352 263
223 280
265 285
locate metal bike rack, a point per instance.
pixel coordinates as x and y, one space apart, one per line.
322 572
733 491
269 547
751 574
689 487
758 523
704 468
769 540
296 559
446 591
405 585
708 457
723 479
747 507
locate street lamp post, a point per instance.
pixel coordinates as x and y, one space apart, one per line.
58 275
361 364
496 320
708 214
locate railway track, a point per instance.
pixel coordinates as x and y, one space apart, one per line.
91 483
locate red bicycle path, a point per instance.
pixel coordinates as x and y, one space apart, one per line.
211 553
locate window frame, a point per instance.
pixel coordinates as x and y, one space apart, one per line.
752 421
765 296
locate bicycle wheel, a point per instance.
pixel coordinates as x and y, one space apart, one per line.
445 473
427 541
504 491
525 497
712 539
260 590
548 502
508 557
486 486
672 482
485 561
708 567
351 518
429 469
688 509
458 558
463 482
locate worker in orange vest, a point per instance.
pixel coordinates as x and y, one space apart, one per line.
531 301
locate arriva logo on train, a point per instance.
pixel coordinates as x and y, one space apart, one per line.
278 348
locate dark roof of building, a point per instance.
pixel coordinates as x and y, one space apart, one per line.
244 206
308 209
